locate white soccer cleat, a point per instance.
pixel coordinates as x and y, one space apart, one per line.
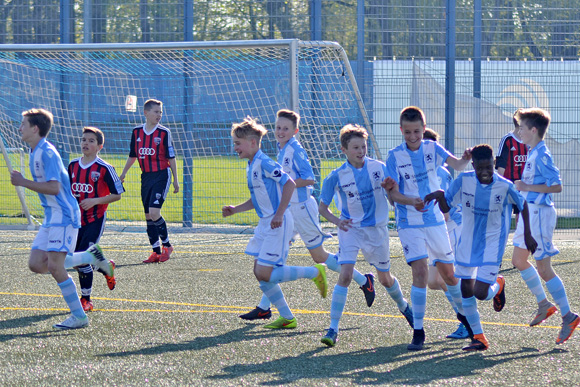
100 262
72 323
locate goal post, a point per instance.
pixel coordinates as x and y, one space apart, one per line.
204 87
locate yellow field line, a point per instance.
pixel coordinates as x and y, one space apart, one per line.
231 310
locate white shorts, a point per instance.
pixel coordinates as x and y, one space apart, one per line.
61 239
307 223
454 233
543 224
486 273
426 242
372 241
270 246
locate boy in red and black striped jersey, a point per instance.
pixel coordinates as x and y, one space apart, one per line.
512 156
151 143
95 184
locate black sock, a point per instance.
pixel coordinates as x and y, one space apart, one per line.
162 229
86 280
153 234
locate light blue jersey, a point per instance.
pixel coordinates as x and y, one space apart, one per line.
416 174
265 179
487 212
60 210
445 180
359 192
294 162
540 169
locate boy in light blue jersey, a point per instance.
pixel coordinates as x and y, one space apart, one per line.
540 179
294 161
54 244
486 199
270 191
364 213
454 225
412 174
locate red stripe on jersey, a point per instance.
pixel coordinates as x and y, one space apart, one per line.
151 149
516 160
88 183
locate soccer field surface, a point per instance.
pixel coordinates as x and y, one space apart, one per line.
176 323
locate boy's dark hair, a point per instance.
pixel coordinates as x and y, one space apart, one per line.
97 132
152 102
482 152
430 134
290 115
412 114
515 118
535 118
249 127
350 131
40 118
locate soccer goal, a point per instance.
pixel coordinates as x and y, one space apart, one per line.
204 86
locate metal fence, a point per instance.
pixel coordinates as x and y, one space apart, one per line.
468 63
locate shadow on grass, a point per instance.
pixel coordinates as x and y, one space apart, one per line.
320 364
22 322
201 343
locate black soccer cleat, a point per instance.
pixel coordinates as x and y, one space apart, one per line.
257 314
418 340
369 289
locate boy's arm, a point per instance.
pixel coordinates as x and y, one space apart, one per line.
396 196
459 164
51 187
541 188
343 224
231 210
287 191
128 165
529 240
173 166
439 197
91 202
303 182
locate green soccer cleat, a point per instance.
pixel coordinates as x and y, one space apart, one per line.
282 323
330 338
320 280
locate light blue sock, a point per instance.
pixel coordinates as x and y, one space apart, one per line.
292 273
264 302
359 278
69 292
455 291
276 297
397 295
556 289
337 305
472 315
419 304
450 299
492 291
332 263
532 280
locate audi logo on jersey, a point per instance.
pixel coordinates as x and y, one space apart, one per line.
82 188
520 158
146 152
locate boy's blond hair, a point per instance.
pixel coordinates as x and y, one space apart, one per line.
40 118
349 132
290 115
249 127
97 132
535 118
148 105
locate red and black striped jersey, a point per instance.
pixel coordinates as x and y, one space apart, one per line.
512 155
153 150
94 180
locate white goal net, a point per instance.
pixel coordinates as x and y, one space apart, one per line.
204 86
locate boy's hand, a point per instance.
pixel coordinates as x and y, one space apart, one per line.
122 178
467 154
175 186
16 178
520 185
228 211
87 204
277 221
345 224
530 242
388 184
419 204
436 195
